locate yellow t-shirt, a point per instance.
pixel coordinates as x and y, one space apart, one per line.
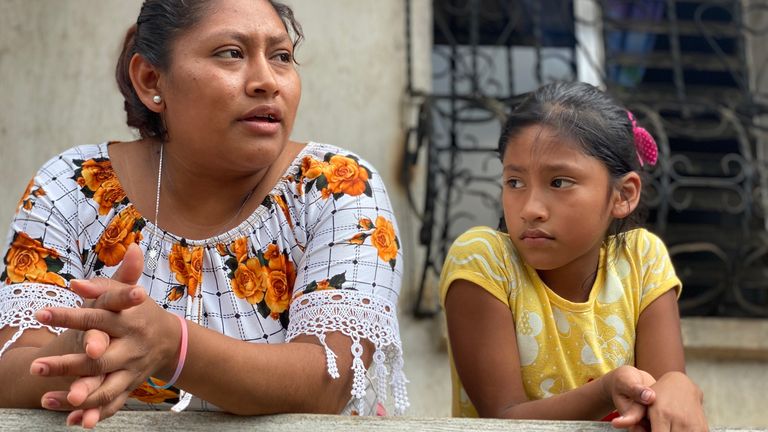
562 344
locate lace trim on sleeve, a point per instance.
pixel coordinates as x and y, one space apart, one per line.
359 316
18 304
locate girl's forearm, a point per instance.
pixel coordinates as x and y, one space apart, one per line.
589 402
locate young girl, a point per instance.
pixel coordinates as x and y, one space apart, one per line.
568 314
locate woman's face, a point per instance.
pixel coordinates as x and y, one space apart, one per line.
231 90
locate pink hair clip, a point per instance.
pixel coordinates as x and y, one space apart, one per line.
647 151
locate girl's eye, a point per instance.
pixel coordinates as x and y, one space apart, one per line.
561 183
515 183
230 53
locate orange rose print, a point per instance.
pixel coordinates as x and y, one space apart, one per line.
251 281
222 249
94 173
382 235
365 224
27 260
272 254
358 238
313 168
240 248
279 261
149 394
110 193
384 239
175 293
278 296
284 207
346 176
336 282
25 195
25 200
119 234
179 263
195 270
188 266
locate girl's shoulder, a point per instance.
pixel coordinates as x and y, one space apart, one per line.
483 238
641 243
485 257
485 250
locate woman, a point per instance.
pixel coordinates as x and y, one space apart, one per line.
199 249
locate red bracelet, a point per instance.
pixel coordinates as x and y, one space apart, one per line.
182 357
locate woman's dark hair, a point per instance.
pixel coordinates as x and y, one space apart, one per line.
582 113
159 23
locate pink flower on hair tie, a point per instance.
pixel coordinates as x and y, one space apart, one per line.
647 151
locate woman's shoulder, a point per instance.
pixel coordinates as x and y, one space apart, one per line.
61 172
328 153
66 164
323 171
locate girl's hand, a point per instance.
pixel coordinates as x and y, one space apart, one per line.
631 391
678 405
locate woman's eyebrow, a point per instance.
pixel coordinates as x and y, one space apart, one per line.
245 38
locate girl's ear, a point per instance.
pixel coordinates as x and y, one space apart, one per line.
146 82
626 196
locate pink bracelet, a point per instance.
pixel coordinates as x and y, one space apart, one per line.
182 357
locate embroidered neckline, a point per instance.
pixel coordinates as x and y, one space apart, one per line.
247 226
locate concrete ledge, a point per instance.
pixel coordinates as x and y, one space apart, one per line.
27 420
725 338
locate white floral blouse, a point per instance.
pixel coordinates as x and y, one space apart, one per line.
320 254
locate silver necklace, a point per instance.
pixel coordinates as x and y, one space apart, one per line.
153 253
154 249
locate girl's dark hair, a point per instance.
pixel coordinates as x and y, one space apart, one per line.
588 116
159 23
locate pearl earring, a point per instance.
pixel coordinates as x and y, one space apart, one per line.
157 99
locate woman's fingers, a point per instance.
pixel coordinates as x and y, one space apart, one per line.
82 387
89 417
62 400
76 365
110 390
109 294
124 297
53 401
75 418
131 267
81 319
120 292
95 343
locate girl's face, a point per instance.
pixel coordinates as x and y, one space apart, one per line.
231 91
558 201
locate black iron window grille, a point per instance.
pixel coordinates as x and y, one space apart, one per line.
692 71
